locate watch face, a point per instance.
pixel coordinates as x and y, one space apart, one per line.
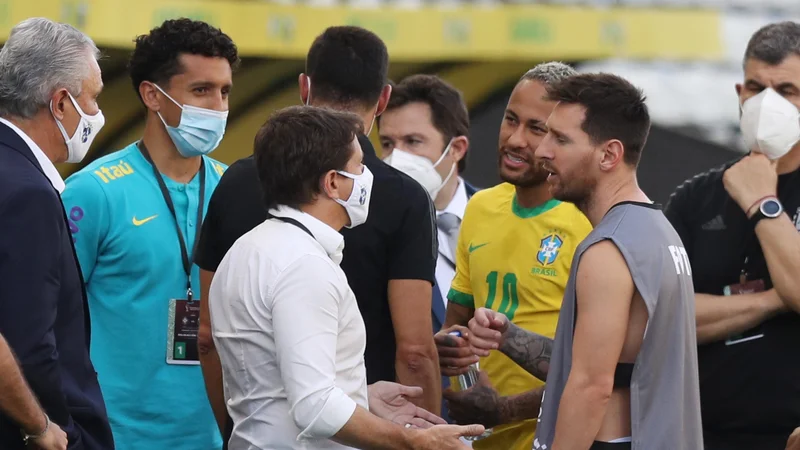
771 208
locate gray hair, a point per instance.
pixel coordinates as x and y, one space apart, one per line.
40 57
549 72
774 42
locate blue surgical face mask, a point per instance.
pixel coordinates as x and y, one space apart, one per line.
200 130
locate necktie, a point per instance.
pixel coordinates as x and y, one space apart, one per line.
450 224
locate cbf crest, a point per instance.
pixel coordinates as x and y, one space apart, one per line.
362 198
87 131
549 248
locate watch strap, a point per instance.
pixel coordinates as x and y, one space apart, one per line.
758 215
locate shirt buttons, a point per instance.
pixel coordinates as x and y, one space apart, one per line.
181 188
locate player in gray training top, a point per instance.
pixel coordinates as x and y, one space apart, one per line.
623 371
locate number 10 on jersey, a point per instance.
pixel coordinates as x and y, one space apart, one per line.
510 301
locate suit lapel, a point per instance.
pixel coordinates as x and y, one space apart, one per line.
438 310
471 190
13 141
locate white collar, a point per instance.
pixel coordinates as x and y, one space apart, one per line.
330 240
48 167
458 204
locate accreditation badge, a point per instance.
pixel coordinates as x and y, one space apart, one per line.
182 329
746 287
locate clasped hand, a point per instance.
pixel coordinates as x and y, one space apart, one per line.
486 332
751 179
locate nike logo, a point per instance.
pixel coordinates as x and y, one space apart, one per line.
139 223
472 248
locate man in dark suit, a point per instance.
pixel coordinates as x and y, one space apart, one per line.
424 132
49 85
19 403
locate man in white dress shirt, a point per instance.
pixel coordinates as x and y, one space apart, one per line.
285 322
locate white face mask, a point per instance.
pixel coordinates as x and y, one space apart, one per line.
770 124
357 206
88 127
421 169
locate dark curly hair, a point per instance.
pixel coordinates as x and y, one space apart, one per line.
155 57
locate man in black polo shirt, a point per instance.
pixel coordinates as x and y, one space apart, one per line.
389 261
739 224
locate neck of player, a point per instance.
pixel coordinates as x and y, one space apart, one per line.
533 196
605 195
367 115
165 156
446 193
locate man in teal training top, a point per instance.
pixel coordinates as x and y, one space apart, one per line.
134 217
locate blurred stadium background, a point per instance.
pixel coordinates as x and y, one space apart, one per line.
685 54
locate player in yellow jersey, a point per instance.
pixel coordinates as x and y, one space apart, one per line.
514 253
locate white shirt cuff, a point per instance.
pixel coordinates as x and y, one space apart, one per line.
334 415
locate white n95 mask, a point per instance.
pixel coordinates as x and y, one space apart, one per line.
421 169
357 205
88 127
770 124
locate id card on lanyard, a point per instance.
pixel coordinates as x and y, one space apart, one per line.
184 314
743 287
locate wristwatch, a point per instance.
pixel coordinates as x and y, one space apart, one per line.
26 438
769 208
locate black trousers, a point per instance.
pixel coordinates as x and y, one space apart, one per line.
228 432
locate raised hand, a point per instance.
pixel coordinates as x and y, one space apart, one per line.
488 329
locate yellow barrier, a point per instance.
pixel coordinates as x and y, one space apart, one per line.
468 33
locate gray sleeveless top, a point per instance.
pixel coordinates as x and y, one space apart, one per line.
665 393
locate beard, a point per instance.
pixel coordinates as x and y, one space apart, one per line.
534 176
574 188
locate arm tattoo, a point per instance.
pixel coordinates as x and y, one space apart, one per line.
521 407
529 350
478 405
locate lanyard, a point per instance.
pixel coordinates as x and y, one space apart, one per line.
291 221
187 262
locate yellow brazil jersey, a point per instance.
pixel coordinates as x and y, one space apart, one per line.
516 261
